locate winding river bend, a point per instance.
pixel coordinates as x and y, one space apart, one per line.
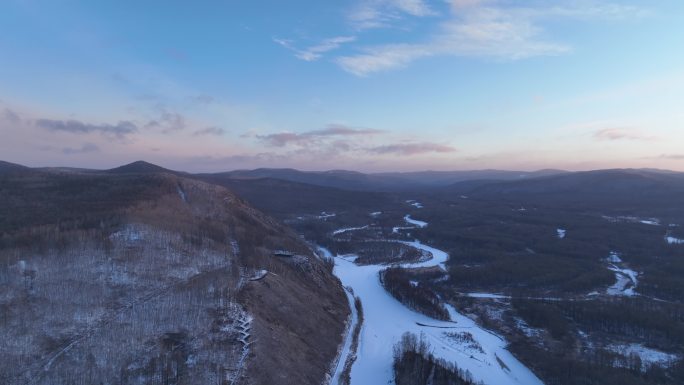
386 319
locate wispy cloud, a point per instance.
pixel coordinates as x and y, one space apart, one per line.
601 10
370 14
84 149
671 156
306 138
11 116
282 139
338 129
119 130
203 99
619 133
315 52
168 122
412 148
238 160
483 29
216 131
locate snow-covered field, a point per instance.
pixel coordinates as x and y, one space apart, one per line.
386 319
648 356
396 229
414 222
488 295
614 257
344 230
644 221
626 279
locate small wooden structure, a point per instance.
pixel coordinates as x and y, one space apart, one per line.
283 253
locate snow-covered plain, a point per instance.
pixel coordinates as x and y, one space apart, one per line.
386 319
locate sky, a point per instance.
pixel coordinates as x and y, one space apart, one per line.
374 85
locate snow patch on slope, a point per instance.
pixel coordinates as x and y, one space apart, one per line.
674 241
648 356
324 215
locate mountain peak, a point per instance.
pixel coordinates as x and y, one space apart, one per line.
138 167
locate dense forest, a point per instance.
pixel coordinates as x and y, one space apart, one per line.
414 364
398 282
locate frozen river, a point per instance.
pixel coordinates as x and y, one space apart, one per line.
386 319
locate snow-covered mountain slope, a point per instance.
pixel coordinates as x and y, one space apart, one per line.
135 277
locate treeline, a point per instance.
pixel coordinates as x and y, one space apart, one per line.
372 251
564 367
46 198
664 277
498 246
397 281
386 252
345 376
414 364
652 323
534 273
656 323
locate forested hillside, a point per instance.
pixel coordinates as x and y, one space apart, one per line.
141 276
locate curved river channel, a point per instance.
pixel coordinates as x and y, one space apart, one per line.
386 319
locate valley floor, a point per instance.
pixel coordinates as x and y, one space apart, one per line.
386 320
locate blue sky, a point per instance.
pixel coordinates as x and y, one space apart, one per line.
372 85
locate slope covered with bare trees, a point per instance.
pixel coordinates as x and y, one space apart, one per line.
132 278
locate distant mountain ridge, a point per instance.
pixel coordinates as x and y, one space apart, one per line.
598 181
615 189
447 177
486 181
11 168
391 181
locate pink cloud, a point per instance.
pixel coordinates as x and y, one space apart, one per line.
621 134
412 148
